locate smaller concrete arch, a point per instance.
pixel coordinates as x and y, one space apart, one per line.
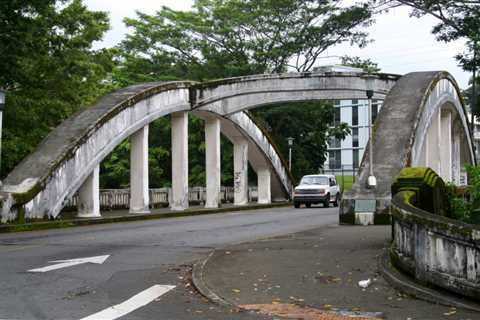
423 122
67 160
228 96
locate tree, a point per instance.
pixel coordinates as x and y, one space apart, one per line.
221 38
366 65
48 68
457 19
310 124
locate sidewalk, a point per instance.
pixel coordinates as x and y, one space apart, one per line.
315 275
69 219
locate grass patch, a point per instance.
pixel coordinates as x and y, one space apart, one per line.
345 182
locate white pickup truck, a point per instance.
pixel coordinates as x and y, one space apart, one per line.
318 188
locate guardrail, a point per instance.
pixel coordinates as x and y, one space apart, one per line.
111 199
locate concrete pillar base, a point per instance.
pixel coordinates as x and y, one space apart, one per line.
264 186
364 218
212 162
89 196
240 174
179 161
139 192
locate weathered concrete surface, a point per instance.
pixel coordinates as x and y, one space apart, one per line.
229 96
69 154
262 152
435 249
63 161
399 136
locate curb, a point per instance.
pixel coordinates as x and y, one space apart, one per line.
8 228
408 286
199 283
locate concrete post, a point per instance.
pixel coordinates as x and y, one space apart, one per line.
240 168
432 155
212 161
457 165
446 146
89 196
264 190
139 195
179 161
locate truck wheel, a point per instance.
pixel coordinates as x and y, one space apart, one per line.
308 205
337 200
296 205
326 204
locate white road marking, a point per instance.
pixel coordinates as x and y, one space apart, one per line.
69 263
137 301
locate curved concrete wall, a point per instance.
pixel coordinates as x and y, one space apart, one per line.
435 249
401 136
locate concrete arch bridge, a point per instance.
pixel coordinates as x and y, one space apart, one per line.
67 161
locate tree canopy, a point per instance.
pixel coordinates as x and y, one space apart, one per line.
48 68
456 20
220 38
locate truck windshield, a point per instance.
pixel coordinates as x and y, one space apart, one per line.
314 180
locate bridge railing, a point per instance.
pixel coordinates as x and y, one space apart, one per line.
427 245
112 199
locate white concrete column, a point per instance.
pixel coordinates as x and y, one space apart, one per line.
456 154
240 168
432 155
89 196
139 192
179 161
212 161
446 146
264 190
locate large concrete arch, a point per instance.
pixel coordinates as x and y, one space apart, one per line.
423 122
66 158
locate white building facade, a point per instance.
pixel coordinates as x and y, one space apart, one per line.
347 154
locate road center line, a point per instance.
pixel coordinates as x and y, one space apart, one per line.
137 301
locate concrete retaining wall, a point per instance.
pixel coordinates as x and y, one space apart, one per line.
435 250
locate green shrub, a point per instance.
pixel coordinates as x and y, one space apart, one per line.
464 202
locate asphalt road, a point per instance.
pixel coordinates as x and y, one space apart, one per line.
142 254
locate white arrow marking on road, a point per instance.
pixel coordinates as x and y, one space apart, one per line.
137 301
69 263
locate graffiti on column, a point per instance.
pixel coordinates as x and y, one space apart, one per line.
237 181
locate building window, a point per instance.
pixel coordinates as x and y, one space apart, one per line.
356 159
334 143
335 159
336 117
355 137
374 110
354 115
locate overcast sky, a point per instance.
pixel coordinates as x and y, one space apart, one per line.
401 44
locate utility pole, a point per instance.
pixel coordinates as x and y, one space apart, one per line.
2 107
473 99
290 144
